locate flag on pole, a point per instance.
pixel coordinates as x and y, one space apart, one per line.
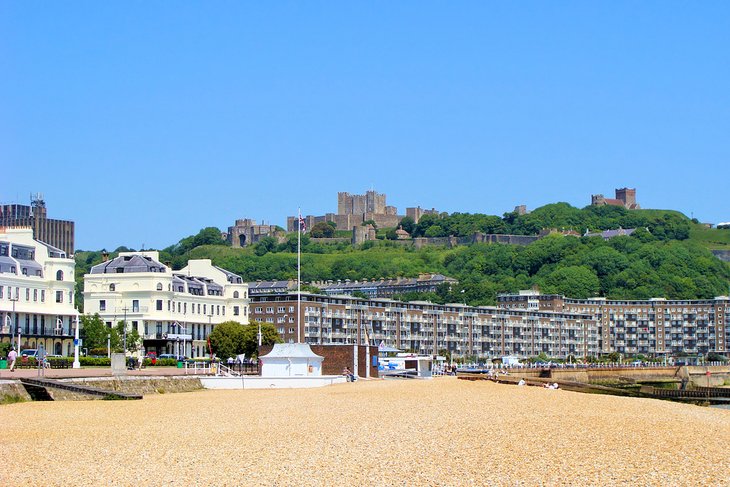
302 224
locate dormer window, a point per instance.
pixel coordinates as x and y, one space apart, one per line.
112 287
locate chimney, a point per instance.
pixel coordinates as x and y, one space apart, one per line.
104 256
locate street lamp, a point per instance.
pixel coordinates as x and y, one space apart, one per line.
15 320
108 345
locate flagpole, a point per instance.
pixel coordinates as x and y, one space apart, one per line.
299 278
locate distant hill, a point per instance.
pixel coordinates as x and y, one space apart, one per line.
671 259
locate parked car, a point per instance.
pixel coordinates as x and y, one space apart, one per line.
29 352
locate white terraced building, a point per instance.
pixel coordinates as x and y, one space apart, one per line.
36 293
174 311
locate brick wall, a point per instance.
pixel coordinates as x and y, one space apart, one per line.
337 357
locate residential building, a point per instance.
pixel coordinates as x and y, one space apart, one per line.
385 288
56 233
36 293
654 326
427 328
524 324
173 311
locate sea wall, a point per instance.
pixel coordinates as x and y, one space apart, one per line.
13 391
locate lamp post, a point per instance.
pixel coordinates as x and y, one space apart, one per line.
124 341
15 320
76 364
108 345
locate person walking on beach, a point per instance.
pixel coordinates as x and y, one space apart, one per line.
12 357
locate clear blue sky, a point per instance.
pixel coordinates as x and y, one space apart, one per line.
147 121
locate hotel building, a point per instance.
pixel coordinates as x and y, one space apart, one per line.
36 293
173 311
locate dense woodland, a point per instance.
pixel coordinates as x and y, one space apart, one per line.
658 260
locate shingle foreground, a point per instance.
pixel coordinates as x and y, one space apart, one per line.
421 433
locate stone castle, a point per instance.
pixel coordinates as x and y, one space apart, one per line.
355 209
625 197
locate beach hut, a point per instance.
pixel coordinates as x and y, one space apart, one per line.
291 360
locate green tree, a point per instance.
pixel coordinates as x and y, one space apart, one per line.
250 340
227 339
94 332
134 340
265 245
574 281
407 224
322 230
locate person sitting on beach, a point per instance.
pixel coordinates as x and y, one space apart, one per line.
547 385
556 386
521 382
348 373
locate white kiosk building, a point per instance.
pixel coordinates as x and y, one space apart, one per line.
291 360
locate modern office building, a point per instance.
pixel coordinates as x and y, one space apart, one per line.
173 311
57 233
655 326
36 293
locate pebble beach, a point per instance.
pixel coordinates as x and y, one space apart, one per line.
442 432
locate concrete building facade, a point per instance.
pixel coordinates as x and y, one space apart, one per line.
36 293
57 233
173 311
654 326
428 328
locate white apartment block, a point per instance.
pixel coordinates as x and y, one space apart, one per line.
174 311
36 293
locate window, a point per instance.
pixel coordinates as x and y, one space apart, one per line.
270 310
235 294
27 294
280 309
135 306
102 305
159 286
24 271
59 296
280 330
235 311
1 291
291 309
35 295
258 309
112 287
43 295
59 275
159 305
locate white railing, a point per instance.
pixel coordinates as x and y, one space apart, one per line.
196 368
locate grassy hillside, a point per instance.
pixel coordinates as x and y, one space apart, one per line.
710 238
